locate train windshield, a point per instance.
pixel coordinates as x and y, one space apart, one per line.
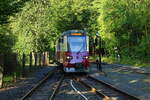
77 43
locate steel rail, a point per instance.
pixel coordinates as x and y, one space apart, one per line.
114 88
50 73
93 89
56 89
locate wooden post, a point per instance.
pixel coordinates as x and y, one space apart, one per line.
45 61
1 69
49 56
43 58
23 64
15 67
30 59
35 56
40 58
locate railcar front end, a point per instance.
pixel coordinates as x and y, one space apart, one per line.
73 51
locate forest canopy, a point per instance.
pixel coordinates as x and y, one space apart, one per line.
34 25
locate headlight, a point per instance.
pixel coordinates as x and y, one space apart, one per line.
85 57
69 57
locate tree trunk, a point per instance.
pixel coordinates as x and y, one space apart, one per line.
23 64
40 58
45 59
30 59
35 56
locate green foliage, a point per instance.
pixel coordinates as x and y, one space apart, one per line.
36 24
32 27
68 14
125 24
8 8
7 40
40 23
144 46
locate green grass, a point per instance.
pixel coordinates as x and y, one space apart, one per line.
8 78
104 59
92 58
109 60
127 60
135 62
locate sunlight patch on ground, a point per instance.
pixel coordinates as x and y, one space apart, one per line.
8 88
133 81
147 88
146 80
114 98
93 90
73 92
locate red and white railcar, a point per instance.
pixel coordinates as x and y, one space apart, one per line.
72 51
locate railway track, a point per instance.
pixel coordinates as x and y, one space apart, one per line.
105 90
99 95
55 83
52 97
42 90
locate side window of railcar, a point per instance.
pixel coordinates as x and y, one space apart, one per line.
60 42
57 46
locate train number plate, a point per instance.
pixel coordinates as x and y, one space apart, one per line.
70 69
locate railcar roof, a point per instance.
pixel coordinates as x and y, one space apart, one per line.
72 31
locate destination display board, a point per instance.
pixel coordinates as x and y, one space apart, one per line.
76 33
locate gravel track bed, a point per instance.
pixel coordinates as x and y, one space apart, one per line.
44 91
129 69
66 92
125 77
114 95
88 93
24 85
